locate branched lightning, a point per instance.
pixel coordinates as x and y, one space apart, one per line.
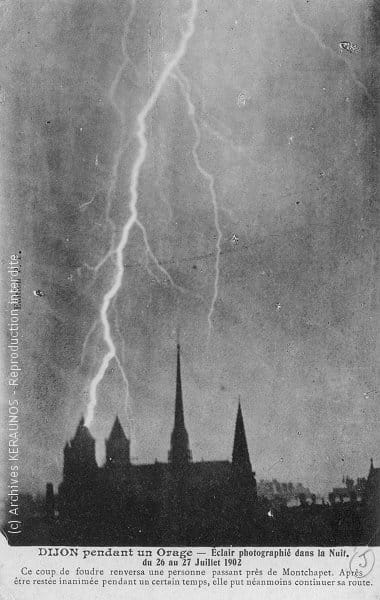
227 136
152 256
116 164
88 203
185 87
126 60
147 266
117 327
120 365
222 138
322 45
87 339
133 219
123 144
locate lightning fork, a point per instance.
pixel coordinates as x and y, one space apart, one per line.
133 217
123 144
185 87
87 339
149 253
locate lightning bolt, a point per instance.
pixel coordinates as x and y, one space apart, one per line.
121 337
133 219
151 255
224 134
219 125
222 138
185 87
111 96
322 45
123 144
126 60
88 203
86 340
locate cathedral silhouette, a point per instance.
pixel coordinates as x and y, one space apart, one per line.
186 503
173 503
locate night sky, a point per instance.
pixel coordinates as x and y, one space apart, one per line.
253 236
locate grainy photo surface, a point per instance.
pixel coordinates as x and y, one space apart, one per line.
188 274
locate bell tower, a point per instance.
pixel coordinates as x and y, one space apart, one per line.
117 447
179 453
243 476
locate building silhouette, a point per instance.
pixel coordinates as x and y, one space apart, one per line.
178 502
183 502
371 501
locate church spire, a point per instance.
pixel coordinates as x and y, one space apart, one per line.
117 447
243 478
240 453
79 454
179 420
117 431
179 453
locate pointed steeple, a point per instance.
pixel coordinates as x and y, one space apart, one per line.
243 479
240 453
117 432
117 446
80 427
79 454
179 420
82 434
179 453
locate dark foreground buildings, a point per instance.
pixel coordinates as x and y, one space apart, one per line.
182 502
